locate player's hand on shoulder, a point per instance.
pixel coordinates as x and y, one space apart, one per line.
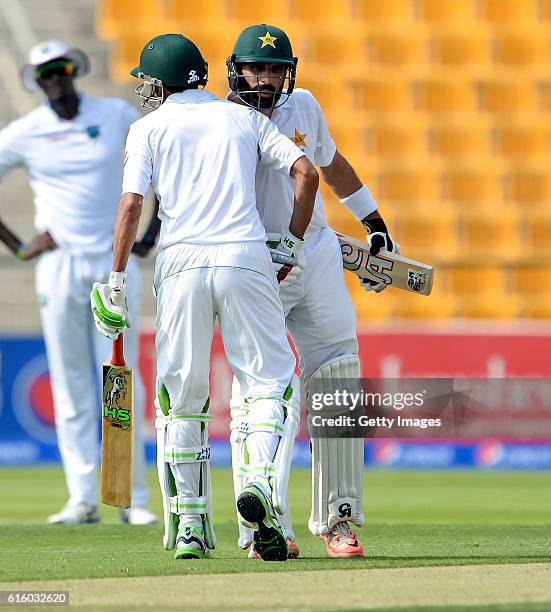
38 245
109 306
287 257
378 238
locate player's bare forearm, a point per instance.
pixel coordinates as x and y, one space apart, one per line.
306 186
126 229
147 242
341 177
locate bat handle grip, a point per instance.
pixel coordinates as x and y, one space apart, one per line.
117 358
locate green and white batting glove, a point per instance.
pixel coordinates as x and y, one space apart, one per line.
109 306
287 257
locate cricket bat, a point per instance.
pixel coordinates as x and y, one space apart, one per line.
117 428
393 269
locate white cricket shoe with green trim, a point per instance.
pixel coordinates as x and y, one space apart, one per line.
190 544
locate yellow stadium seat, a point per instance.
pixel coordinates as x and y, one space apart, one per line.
529 186
248 12
322 11
329 94
459 140
460 48
504 307
508 11
443 96
396 11
116 16
436 306
371 306
424 236
382 95
505 96
492 237
532 278
473 185
466 279
407 184
191 14
523 140
332 49
396 48
445 11
536 233
522 48
397 140
536 307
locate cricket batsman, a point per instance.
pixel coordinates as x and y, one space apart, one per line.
318 308
200 155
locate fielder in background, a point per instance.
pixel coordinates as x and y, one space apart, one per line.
319 311
72 148
200 154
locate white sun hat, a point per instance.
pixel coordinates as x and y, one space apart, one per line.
45 52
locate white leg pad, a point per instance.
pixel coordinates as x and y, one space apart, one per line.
168 459
337 463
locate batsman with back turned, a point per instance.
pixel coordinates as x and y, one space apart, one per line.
200 155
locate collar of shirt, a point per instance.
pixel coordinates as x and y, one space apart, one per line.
193 96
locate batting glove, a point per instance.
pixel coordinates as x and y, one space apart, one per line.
109 306
378 239
288 261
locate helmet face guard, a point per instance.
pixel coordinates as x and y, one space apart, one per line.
250 96
150 91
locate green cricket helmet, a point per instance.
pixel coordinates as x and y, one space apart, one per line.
171 60
262 44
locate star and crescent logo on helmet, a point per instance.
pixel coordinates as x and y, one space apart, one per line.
267 40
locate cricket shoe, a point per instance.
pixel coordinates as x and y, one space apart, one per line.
75 514
255 506
292 551
341 542
138 516
190 544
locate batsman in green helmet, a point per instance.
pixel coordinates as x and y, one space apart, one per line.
169 62
319 311
261 45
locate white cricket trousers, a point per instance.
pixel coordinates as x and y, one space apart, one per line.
76 352
234 283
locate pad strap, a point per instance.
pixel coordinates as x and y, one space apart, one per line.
246 426
190 454
162 421
266 468
181 504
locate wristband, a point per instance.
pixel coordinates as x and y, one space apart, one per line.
117 279
20 253
360 203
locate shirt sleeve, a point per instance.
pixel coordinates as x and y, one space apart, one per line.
276 150
10 155
138 162
325 147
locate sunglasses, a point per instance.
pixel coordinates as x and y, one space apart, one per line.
51 69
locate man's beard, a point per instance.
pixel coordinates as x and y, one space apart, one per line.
253 97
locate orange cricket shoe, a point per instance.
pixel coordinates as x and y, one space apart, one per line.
342 542
292 551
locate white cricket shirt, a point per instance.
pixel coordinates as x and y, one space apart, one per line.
200 155
74 167
301 119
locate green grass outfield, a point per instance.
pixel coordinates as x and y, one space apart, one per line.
414 520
